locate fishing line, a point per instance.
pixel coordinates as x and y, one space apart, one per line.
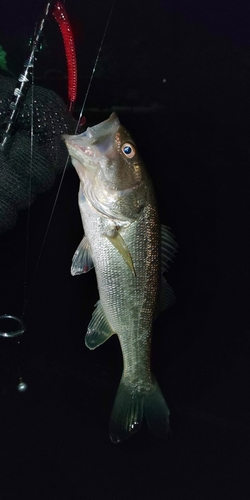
67 160
30 187
45 236
95 64
18 328
12 326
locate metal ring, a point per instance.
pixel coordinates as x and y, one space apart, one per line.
11 332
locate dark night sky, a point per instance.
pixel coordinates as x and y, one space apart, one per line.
227 17
201 49
224 18
189 43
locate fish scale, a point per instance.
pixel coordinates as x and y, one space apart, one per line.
122 239
121 293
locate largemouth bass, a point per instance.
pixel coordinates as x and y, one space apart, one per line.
130 251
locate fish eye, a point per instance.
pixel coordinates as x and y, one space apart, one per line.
128 150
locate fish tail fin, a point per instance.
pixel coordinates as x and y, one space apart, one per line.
127 413
129 407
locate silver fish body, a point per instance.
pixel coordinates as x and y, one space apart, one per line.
123 243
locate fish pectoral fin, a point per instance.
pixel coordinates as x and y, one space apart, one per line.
121 246
82 260
99 329
167 296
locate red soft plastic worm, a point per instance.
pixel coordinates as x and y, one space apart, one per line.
61 17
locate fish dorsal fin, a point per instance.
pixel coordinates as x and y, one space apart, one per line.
167 296
168 248
167 252
121 246
99 329
82 260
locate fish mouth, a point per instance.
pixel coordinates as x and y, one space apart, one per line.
94 143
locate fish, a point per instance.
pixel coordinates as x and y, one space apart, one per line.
130 252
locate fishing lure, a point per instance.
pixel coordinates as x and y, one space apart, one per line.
24 81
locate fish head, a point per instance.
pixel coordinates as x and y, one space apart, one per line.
111 172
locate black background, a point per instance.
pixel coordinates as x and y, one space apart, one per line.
193 133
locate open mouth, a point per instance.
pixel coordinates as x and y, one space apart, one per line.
80 151
96 142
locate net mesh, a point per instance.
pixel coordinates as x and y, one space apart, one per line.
49 153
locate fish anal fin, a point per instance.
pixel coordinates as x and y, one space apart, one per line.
82 260
99 330
118 242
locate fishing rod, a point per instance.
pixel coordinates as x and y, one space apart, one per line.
11 325
80 122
